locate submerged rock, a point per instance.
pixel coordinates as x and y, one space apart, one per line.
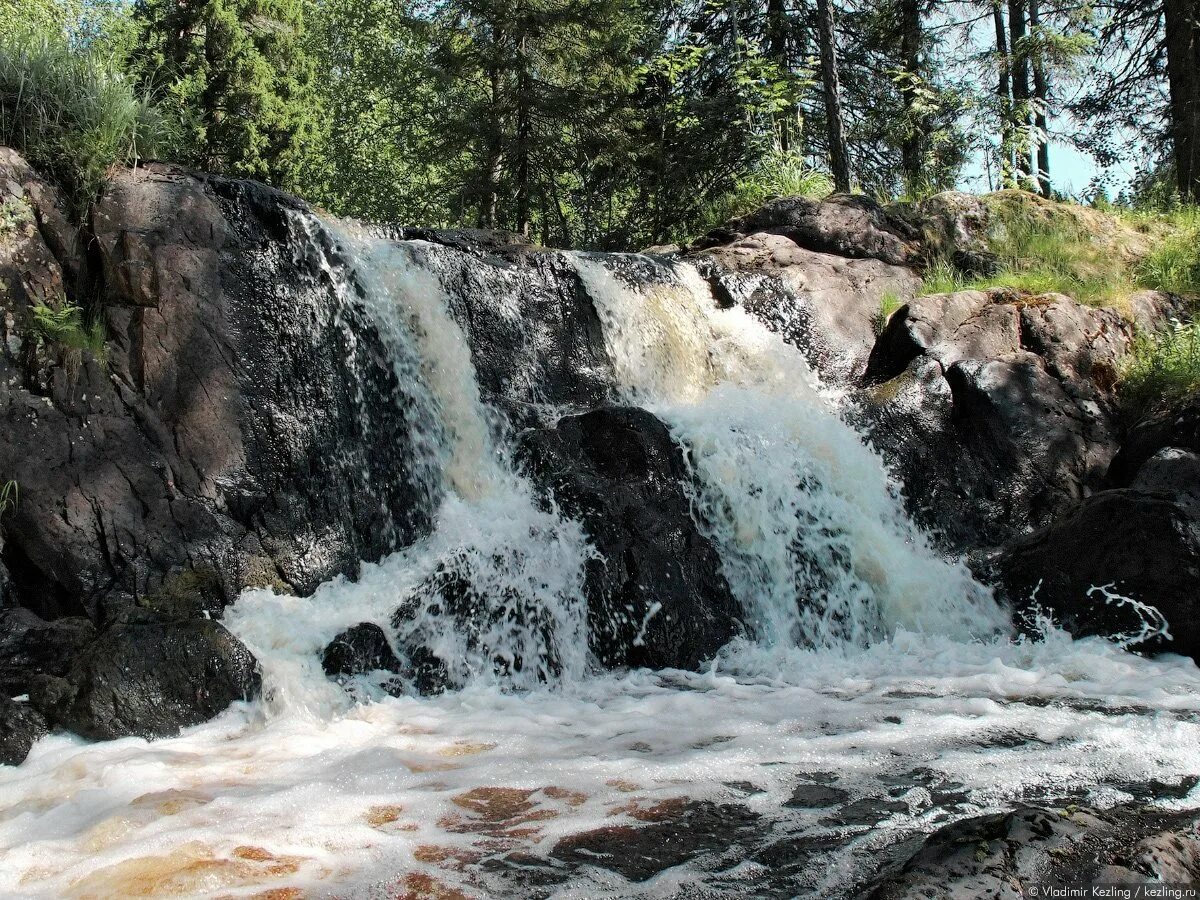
656 594
358 650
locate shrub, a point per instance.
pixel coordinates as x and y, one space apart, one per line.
70 113
67 327
779 175
1162 367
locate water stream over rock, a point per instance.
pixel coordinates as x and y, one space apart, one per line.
860 689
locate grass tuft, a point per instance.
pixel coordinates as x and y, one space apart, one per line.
71 113
1162 367
888 304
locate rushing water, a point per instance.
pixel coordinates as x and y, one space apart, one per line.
879 694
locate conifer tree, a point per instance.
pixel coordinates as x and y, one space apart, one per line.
240 74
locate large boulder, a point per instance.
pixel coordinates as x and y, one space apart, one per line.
847 225
149 678
824 304
1125 564
656 594
244 425
997 411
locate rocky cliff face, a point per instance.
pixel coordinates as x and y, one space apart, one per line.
250 419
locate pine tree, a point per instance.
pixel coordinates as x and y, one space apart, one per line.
239 72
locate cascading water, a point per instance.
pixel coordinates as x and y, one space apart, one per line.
875 670
513 568
815 544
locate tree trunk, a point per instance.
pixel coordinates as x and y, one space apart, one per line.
524 133
910 51
777 51
489 198
835 126
1041 95
1020 88
1004 95
1183 48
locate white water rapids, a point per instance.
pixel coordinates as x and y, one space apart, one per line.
874 666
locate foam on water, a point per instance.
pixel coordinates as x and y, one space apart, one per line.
354 804
875 667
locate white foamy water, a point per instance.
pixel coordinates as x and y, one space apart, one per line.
876 670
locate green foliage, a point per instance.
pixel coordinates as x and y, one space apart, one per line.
70 112
240 73
1045 248
67 327
888 304
942 277
778 175
1173 265
1162 367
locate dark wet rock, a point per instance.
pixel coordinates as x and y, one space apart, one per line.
245 426
656 595
852 226
1140 546
535 337
149 678
866 811
31 646
358 650
825 305
1002 854
20 727
1176 427
220 443
997 412
816 796
639 852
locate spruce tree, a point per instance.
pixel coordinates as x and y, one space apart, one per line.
240 75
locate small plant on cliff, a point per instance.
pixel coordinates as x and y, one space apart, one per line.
1163 366
67 327
15 216
888 304
70 112
9 495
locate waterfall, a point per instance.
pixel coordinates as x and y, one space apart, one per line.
813 539
815 542
495 591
